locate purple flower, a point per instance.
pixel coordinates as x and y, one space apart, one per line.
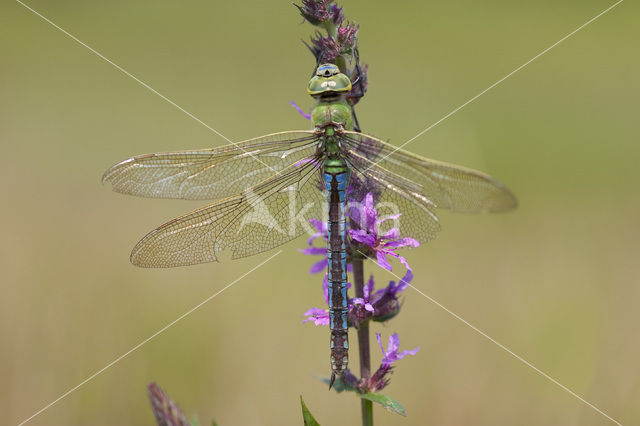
385 300
393 289
337 17
366 216
392 355
360 187
350 380
325 49
321 228
320 265
380 378
300 110
321 232
361 308
347 37
317 315
381 305
365 301
317 11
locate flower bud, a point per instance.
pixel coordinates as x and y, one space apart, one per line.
166 411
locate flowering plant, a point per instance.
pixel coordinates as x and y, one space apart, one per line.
366 239
370 304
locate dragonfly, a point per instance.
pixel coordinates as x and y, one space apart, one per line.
264 190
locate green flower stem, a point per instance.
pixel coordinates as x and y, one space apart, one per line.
332 31
363 341
331 28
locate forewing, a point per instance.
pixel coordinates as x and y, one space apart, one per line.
210 174
446 185
265 216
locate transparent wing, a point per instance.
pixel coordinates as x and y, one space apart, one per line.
394 194
210 174
265 216
445 185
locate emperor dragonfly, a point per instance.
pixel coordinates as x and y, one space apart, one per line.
269 185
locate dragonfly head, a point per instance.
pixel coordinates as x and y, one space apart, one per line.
328 81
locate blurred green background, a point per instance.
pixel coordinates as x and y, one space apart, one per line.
556 281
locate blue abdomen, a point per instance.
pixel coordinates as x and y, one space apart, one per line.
336 186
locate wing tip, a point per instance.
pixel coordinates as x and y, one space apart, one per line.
106 175
113 170
145 255
507 203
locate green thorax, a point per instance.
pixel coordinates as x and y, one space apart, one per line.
331 117
332 113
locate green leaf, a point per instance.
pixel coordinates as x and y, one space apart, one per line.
195 421
386 401
306 415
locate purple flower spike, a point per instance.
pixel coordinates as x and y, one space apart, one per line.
164 408
317 11
347 37
336 14
366 215
392 355
300 110
325 49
